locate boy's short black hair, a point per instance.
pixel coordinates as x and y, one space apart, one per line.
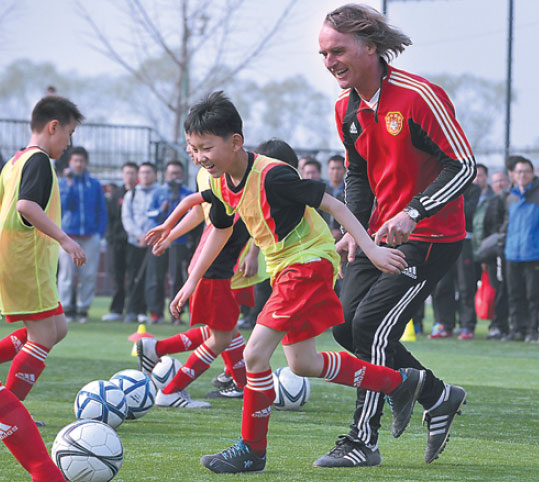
79 150
512 161
132 164
280 150
54 107
214 114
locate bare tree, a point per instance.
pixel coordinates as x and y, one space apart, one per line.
183 49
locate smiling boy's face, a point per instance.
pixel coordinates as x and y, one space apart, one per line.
213 153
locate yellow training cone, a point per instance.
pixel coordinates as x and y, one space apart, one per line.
140 333
409 332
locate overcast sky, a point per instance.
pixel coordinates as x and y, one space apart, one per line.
450 36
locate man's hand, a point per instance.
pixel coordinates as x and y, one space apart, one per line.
74 250
397 229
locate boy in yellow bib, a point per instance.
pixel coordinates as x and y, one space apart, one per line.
278 209
29 237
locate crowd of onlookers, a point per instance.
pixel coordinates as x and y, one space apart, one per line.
501 247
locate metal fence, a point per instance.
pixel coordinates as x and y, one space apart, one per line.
108 145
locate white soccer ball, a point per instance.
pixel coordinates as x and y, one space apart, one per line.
88 451
139 391
165 371
102 401
292 392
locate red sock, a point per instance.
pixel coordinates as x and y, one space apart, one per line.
258 396
12 344
22 438
25 369
341 367
189 340
234 362
197 363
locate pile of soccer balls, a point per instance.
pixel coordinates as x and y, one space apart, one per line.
89 449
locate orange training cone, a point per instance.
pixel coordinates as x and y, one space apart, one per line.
140 333
409 332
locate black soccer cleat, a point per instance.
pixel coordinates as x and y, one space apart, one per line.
230 391
222 380
235 459
403 398
440 419
350 453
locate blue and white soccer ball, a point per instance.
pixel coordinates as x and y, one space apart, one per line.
103 401
165 371
292 391
88 451
139 391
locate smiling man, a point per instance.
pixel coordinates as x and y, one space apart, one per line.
405 149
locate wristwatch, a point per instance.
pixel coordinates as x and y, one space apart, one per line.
413 213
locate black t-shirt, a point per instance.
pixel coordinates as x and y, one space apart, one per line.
36 181
287 195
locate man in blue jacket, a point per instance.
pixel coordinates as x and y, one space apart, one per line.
164 200
84 218
522 252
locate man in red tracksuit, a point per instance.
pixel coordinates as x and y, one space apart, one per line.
405 150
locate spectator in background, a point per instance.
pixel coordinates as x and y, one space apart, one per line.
164 201
312 169
479 215
522 252
117 241
84 218
462 278
302 161
499 182
494 263
136 223
336 173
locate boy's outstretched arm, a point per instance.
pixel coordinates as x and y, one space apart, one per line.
385 259
34 214
189 222
160 232
213 246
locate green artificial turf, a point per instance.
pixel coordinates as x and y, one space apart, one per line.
496 438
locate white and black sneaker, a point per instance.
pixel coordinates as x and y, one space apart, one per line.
350 453
147 356
231 391
222 380
440 418
180 399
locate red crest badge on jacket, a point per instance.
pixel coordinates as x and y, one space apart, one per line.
394 122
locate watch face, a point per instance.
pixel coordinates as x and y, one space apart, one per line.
413 213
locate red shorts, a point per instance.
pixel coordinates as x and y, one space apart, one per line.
303 303
35 316
245 296
214 305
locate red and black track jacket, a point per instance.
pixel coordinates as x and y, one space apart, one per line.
410 151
